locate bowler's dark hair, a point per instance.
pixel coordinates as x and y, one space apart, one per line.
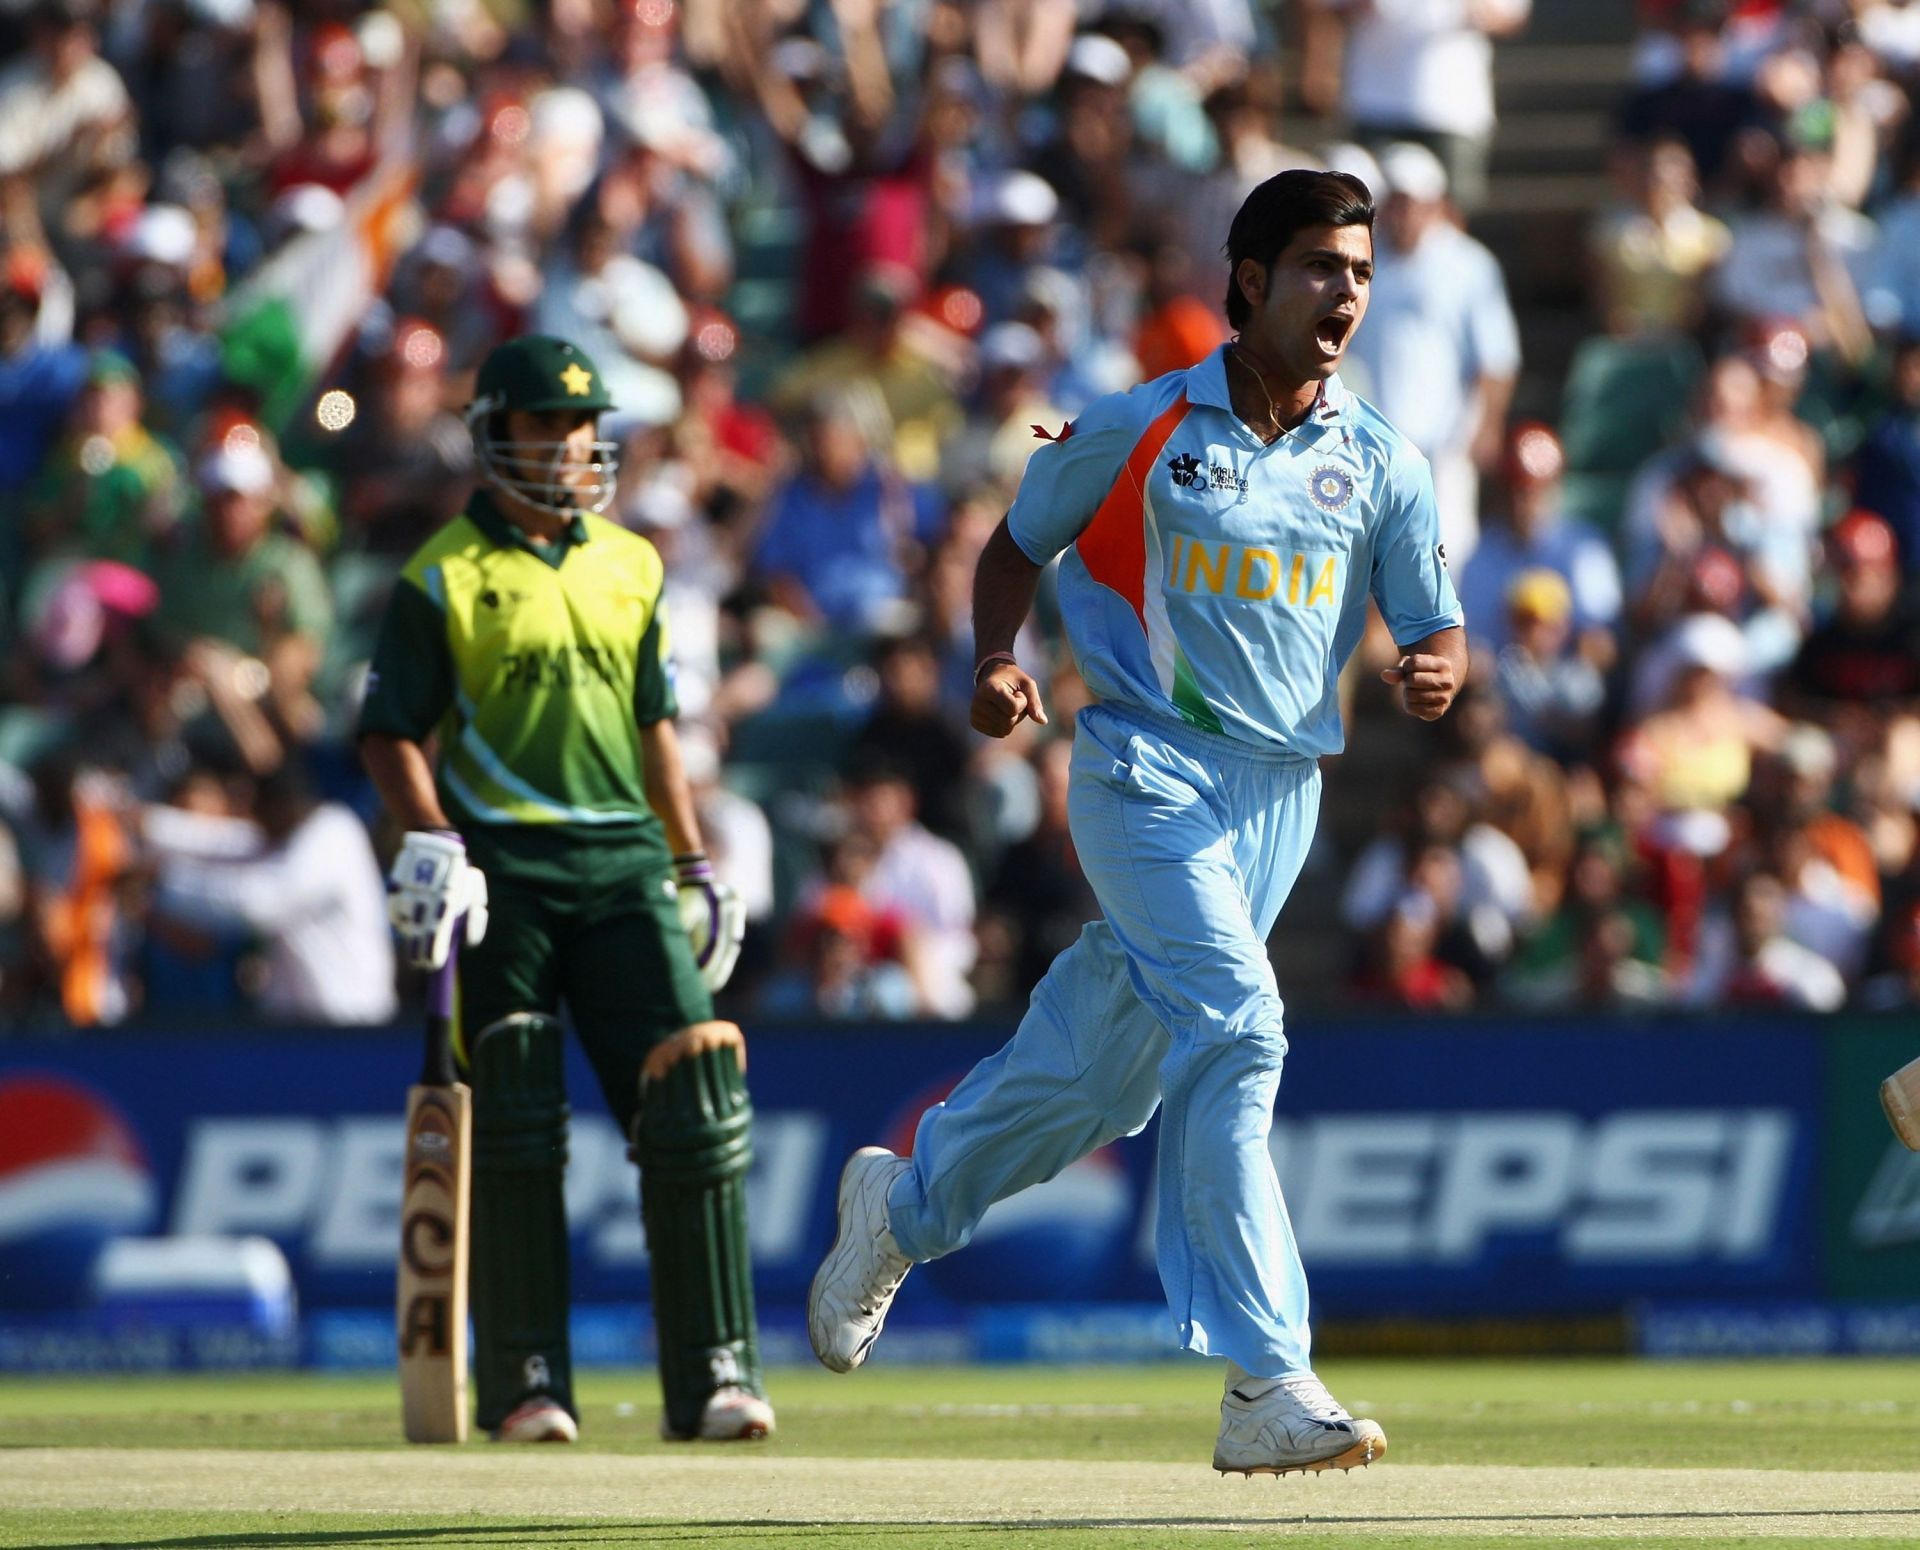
1279 210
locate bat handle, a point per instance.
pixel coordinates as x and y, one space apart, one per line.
438 1068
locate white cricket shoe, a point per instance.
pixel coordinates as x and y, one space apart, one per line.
734 1414
1293 1424
855 1283
537 1419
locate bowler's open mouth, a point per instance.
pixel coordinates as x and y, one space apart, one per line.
1331 331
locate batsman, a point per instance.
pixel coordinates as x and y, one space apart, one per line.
526 645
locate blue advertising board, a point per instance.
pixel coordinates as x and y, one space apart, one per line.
1436 1169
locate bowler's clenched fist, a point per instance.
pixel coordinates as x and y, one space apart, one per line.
1003 698
1427 684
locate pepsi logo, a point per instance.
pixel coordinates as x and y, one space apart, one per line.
73 1176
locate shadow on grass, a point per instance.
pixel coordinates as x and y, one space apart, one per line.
600 1532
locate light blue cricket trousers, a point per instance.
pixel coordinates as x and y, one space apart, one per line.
1192 842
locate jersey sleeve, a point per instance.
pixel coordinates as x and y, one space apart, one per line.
1410 580
410 683
653 692
1067 479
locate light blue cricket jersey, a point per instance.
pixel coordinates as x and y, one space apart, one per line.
1225 581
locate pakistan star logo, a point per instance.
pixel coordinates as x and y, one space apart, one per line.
577 380
1186 472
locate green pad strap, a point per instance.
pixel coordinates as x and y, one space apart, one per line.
521 1269
694 1144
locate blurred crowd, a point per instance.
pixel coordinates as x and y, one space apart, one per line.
840 261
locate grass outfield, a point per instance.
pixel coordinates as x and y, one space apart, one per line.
1556 1453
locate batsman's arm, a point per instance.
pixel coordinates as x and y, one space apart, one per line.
1004 583
399 770
665 778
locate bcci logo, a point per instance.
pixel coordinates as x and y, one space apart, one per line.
1188 471
1331 487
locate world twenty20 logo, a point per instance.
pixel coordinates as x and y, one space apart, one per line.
1188 471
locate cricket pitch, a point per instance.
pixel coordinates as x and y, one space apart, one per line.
1437 1500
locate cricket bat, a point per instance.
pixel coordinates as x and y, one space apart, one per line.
1900 1097
431 1302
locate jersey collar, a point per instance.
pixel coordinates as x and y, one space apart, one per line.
1207 384
484 512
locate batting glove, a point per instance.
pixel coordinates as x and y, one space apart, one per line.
713 916
429 889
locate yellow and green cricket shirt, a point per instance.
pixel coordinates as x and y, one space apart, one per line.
536 664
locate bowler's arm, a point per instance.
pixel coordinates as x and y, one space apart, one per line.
1004 583
1431 673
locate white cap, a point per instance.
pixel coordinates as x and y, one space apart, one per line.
1808 750
230 14
164 234
1413 170
1712 641
1099 58
1011 344
644 310
1021 199
1347 156
243 468
565 115
306 207
448 247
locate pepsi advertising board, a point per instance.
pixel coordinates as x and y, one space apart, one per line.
1430 1171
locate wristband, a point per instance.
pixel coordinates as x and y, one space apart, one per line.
992 659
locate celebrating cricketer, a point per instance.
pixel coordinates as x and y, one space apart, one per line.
553 828
1220 532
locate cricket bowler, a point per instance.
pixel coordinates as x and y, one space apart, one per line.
530 638
1220 531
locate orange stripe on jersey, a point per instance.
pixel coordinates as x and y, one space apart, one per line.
1114 545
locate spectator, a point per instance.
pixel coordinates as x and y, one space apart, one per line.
232 578
1581 954
876 355
39 377
1533 532
840 532
999 436
1886 474
1402 969
1866 657
842 970
111 487
77 858
1553 696
64 110
1440 348
1802 255
410 457
301 876
919 877
1414 70
1038 888
1655 251
1752 962
908 731
1696 101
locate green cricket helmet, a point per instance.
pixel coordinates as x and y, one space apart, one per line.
537 374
